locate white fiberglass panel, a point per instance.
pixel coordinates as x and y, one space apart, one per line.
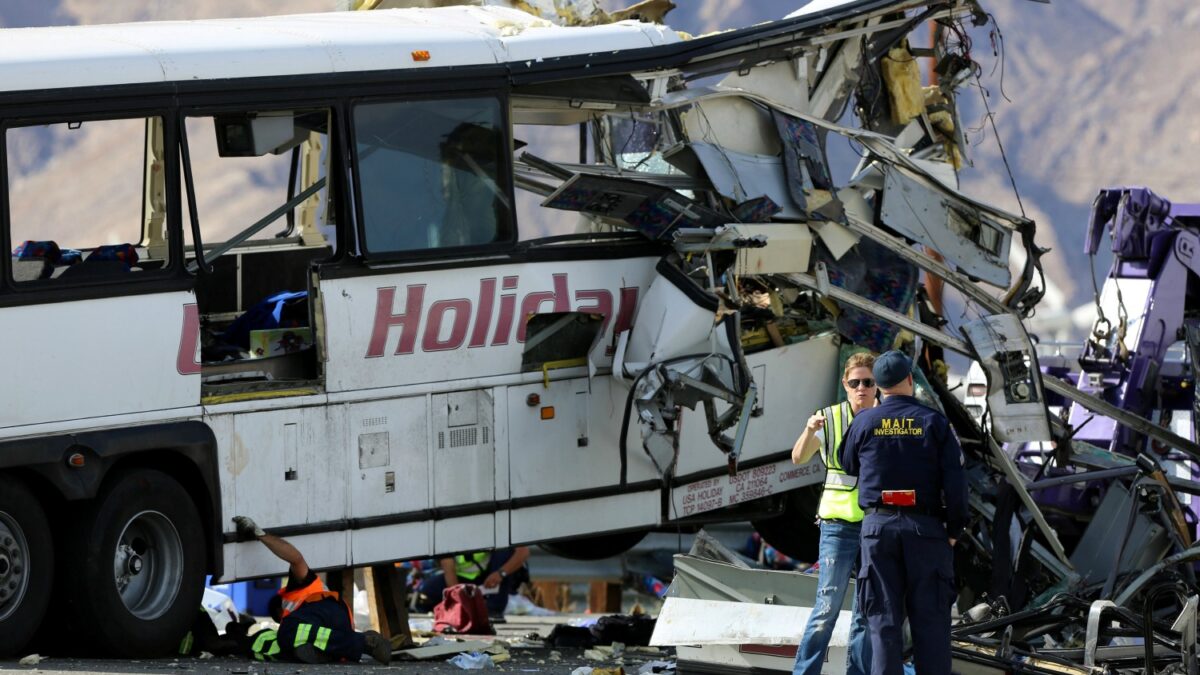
93 358
458 325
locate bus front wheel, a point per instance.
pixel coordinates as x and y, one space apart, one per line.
138 571
26 564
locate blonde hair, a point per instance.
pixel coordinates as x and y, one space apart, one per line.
859 360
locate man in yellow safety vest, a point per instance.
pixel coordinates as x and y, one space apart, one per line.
841 522
499 572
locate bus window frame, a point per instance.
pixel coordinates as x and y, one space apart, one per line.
503 245
165 279
244 104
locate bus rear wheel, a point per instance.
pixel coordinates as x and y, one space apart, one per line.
595 548
138 573
26 565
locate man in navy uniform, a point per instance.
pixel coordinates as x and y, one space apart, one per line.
913 491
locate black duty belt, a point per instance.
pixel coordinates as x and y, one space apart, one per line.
911 510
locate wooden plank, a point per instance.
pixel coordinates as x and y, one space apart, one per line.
553 595
604 597
387 602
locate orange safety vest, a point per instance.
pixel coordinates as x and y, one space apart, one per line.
314 592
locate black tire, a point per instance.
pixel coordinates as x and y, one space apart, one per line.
795 532
595 548
26 566
147 519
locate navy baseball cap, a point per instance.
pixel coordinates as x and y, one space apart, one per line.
891 368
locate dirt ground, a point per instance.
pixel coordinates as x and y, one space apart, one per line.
523 660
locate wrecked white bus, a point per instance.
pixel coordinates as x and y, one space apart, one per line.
448 329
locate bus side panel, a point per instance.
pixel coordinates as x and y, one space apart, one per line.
587 516
285 469
387 455
576 449
108 356
461 324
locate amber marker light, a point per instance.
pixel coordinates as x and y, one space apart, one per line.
548 412
420 55
75 460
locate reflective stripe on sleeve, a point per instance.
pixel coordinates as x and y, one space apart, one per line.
302 632
322 638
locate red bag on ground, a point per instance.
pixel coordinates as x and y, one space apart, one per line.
462 610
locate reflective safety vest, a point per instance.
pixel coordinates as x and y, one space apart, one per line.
266 645
839 501
471 567
316 591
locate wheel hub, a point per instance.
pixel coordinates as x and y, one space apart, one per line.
13 554
148 564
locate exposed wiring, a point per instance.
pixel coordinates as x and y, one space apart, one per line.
991 118
997 38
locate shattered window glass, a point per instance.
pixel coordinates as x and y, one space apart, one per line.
431 174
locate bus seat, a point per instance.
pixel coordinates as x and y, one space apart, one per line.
38 250
33 260
30 269
123 253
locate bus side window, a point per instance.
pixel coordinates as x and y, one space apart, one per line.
432 174
77 199
258 180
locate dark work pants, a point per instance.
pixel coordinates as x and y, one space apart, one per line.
328 629
907 569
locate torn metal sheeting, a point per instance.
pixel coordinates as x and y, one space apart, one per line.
740 176
785 80
734 124
687 621
963 235
701 578
1141 543
836 237
653 210
1016 404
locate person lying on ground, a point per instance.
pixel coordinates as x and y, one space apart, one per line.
315 625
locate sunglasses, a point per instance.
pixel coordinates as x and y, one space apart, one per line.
867 383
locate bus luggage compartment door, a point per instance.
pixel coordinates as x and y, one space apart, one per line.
462 449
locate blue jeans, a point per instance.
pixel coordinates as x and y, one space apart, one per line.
839 560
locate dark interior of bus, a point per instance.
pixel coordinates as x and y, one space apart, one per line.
252 286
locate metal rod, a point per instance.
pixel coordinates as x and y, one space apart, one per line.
1084 476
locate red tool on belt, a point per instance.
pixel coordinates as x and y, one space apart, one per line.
900 497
